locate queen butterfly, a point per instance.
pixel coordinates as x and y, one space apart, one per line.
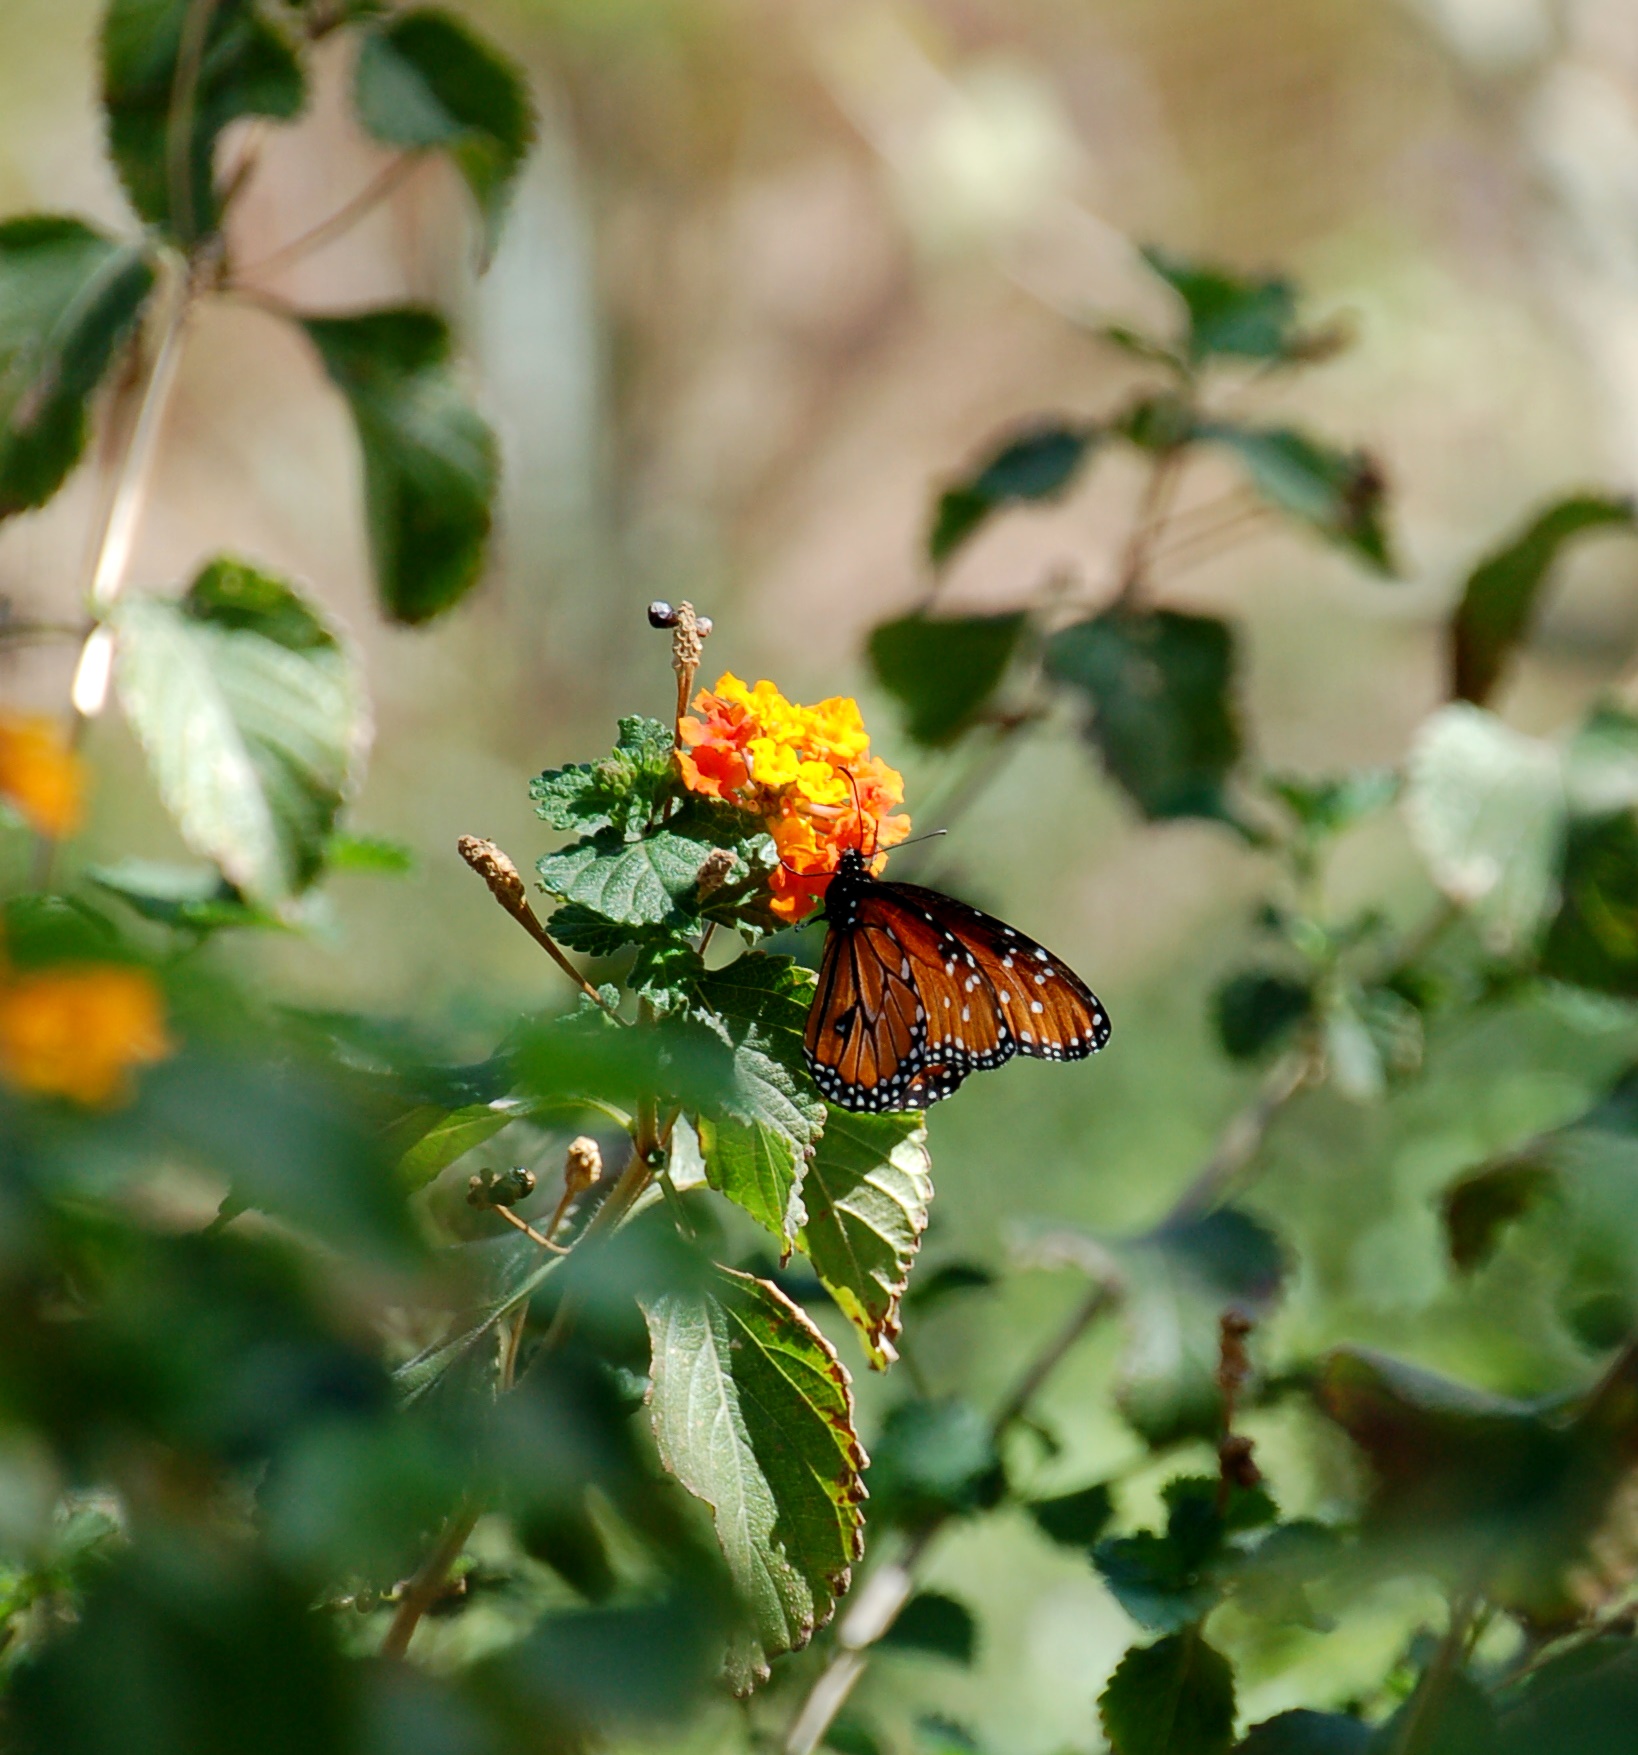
916 990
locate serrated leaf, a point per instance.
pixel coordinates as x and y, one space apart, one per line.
867 1193
69 300
634 883
623 791
1338 494
936 1624
1499 601
1160 688
1230 314
1307 1733
1486 809
943 670
753 1413
1175 1697
1037 464
246 67
1074 1520
760 1169
424 80
252 718
431 465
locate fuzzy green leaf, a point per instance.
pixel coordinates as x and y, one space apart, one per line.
1339 494
431 465
69 299
1230 314
424 80
1035 465
253 720
1175 1697
867 1192
634 883
247 66
753 1413
943 670
623 791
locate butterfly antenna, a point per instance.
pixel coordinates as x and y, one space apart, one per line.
931 835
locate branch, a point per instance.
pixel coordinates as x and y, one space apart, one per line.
338 224
430 1581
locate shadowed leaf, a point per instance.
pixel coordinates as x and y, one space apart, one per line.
939 1625
1038 464
1175 1697
944 670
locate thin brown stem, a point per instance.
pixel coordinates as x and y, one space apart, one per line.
1151 521
337 225
528 1230
430 1582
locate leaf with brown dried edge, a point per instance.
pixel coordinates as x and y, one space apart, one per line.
753 1413
867 1191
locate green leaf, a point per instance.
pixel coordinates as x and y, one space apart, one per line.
1230 314
753 1413
936 1285
942 1736
1038 464
1445 1715
1330 806
943 670
370 856
69 300
166 153
1074 1520
253 720
453 1134
1180 1280
624 791
1499 601
1160 688
1486 808
867 1191
1479 1207
939 1625
193 898
1593 939
935 1459
634 883
1175 1697
1258 1009
424 80
1307 1733
431 465
1582 1702
1339 494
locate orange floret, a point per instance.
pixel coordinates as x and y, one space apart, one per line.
80 1032
41 778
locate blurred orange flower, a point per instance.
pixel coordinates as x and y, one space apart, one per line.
41 778
806 771
80 1032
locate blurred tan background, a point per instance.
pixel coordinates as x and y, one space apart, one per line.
776 268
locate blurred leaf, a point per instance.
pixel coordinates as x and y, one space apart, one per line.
933 1286
370 855
1499 601
425 80
1307 1733
1339 494
1180 1280
1175 1697
623 791
1230 314
1074 1520
194 898
1446 1715
940 1625
1582 1702
184 1647
253 720
431 467
933 1459
1593 939
1329 807
1159 685
1372 1035
943 670
1601 763
756 1143
246 66
1271 1581
753 1414
69 300
1258 1009
1037 464
1159 424
941 1736
1483 1204
40 930
635 883
454 1133
848 1736
867 1191
1485 805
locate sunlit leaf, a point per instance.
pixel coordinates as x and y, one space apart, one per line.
1159 685
1499 601
69 299
943 670
634 883
1038 464
867 1191
431 466
241 64
426 80
1175 1697
753 1413
623 791
253 720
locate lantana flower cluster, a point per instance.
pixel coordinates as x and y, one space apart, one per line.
806 771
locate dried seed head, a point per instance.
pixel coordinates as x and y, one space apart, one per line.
715 870
1235 1460
493 866
583 1165
688 642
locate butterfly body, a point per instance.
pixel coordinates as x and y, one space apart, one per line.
917 990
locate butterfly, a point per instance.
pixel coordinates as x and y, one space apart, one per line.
917 990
